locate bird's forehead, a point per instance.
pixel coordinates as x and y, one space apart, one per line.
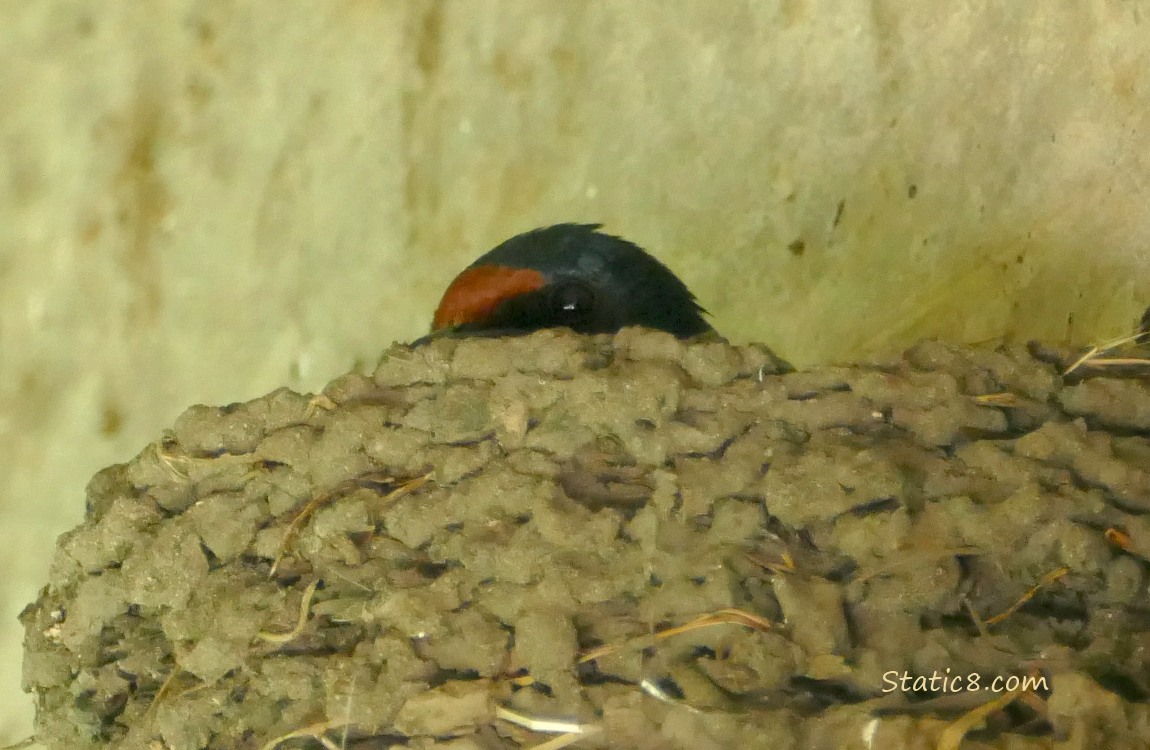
477 292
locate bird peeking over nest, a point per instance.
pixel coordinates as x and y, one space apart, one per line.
568 276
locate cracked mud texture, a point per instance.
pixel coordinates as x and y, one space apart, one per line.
586 492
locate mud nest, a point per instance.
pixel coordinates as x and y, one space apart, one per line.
620 542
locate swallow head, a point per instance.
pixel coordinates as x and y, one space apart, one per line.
568 276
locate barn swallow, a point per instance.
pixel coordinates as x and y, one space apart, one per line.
568 276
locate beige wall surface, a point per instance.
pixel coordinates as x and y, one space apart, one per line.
203 200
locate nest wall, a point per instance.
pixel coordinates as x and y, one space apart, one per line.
650 543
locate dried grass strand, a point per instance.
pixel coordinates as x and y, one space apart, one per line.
1093 352
719 617
304 609
537 724
324 498
1047 579
951 737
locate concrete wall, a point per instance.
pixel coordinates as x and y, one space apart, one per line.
203 200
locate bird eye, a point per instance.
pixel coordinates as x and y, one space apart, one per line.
572 301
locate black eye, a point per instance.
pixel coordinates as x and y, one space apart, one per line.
572 301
